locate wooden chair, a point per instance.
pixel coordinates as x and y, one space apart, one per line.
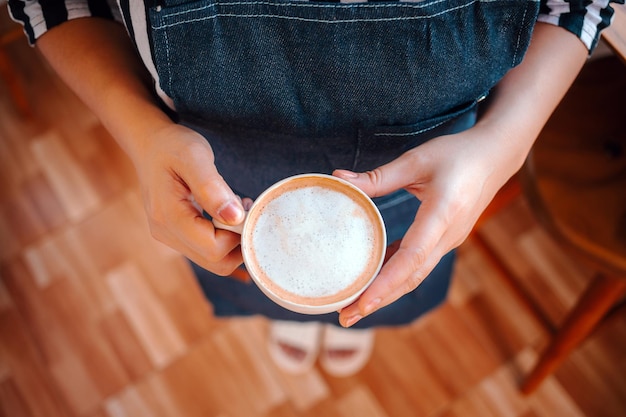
575 183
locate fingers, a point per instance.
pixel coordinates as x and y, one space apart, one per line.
187 231
390 177
451 191
420 251
223 267
247 203
179 181
211 191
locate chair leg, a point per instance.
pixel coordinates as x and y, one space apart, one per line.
597 300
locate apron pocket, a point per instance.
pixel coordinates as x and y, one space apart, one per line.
383 144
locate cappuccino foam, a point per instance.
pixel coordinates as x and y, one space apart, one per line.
314 242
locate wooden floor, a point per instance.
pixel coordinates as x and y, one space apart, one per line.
97 319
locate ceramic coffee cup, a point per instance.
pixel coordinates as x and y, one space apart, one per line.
312 243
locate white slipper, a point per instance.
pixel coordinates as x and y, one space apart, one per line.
302 337
345 351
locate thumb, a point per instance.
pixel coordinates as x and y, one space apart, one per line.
385 179
211 192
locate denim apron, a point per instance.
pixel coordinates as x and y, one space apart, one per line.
282 87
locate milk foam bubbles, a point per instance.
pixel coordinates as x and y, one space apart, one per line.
313 241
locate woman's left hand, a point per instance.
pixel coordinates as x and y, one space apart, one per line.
455 177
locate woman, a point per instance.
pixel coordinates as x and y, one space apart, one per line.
216 100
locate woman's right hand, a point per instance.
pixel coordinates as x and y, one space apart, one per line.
178 178
174 164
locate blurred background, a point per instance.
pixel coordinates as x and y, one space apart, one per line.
99 320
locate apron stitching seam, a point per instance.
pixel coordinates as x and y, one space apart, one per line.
388 19
169 64
519 35
310 6
417 132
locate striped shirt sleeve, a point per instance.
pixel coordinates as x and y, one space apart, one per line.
38 16
584 18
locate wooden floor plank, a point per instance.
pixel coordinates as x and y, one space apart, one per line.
146 315
75 192
97 319
29 386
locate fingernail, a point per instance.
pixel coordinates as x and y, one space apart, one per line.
231 213
352 320
371 306
247 204
348 174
